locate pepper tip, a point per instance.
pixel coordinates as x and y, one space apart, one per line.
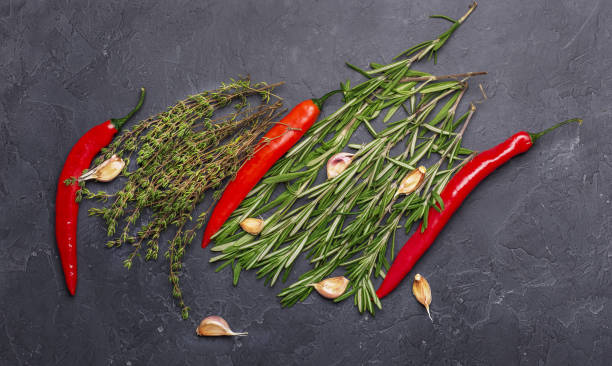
205 242
71 287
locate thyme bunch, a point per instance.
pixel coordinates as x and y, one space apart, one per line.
180 155
347 222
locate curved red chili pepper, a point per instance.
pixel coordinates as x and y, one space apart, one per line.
271 147
453 195
66 207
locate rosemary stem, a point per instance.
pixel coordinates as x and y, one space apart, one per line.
443 77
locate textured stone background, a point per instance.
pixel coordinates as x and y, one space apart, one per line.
520 276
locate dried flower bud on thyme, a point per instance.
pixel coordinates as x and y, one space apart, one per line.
182 154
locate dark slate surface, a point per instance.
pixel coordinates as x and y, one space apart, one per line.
520 276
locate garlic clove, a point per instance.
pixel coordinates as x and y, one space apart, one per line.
422 292
338 163
105 172
412 181
252 225
331 288
214 326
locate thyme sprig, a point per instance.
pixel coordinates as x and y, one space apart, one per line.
348 221
181 155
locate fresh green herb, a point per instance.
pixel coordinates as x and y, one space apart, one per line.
348 221
181 154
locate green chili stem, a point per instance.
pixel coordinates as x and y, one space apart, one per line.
535 136
119 122
320 101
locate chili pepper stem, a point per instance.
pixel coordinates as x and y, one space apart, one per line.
319 102
119 122
535 136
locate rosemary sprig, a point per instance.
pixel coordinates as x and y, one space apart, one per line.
181 154
347 221
313 150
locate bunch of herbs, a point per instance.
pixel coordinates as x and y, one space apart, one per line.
347 222
181 155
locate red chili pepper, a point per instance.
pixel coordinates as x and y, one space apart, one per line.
271 147
455 192
66 207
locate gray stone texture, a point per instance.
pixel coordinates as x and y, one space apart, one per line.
521 275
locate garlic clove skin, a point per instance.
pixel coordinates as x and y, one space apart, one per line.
215 326
422 292
338 163
111 170
331 288
412 181
105 172
252 225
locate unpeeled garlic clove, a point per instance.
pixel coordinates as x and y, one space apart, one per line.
422 292
252 225
338 163
412 181
331 288
214 326
105 172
